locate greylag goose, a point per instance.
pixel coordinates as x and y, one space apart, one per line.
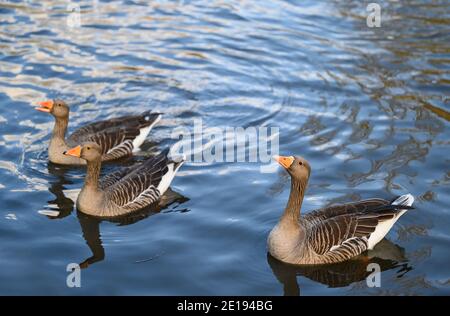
331 234
118 137
126 190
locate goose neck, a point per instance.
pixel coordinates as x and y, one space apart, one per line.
60 128
92 175
294 204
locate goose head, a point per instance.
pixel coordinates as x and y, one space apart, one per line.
88 151
57 108
298 167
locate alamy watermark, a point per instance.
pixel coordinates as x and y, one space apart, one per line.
74 277
74 17
374 15
374 278
227 144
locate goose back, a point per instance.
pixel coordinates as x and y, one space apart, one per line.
337 234
117 137
136 187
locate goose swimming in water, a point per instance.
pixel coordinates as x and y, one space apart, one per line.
126 190
331 234
118 137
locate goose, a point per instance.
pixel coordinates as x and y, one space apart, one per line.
118 137
126 190
332 234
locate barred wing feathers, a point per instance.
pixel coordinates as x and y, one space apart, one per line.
340 233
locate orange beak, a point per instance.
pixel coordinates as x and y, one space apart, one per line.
46 106
76 152
285 161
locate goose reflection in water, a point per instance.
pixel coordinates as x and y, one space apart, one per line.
386 254
63 205
90 225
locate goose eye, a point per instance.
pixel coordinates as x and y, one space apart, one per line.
89 148
300 163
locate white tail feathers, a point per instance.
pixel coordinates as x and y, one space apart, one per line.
406 199
172 169
383 227
143 132
176 153
177 158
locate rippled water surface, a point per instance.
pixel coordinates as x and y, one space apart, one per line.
368 107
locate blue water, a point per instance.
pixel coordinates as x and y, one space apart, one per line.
368 107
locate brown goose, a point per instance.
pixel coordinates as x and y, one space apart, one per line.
332 234
118 137
126 190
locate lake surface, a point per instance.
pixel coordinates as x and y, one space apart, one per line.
368 107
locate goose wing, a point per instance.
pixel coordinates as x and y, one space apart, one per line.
117 137
343 209
139 188
347 235
132 121
112 178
